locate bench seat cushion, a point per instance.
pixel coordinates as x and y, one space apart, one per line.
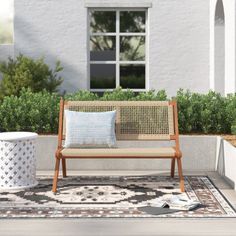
119 152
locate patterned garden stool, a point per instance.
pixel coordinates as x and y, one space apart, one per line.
17 160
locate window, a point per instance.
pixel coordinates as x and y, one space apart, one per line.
6 21
117 49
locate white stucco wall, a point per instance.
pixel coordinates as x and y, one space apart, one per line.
230 48
6 51
229 7
226 161
178 42
199 154
179 45
219 85
57 30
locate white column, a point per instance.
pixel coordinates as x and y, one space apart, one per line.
212 44
230 62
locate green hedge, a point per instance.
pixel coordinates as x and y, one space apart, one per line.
198 113
205 113
36 112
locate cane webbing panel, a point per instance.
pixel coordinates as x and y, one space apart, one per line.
134 120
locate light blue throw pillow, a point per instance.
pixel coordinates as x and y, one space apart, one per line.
90 129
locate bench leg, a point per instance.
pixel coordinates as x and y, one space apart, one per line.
64 167
172 172
181 178
57 166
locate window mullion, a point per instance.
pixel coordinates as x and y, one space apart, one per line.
88 50
117 48
146 50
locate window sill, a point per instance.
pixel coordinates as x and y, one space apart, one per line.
116 4
111 90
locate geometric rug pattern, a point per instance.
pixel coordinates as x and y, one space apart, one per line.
112 196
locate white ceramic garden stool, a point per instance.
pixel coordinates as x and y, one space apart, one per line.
17 160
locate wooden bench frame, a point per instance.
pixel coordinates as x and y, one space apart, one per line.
175 137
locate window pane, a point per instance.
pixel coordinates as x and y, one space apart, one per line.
132 76
102 76
6 21
132 21
102 21
103 48
132 48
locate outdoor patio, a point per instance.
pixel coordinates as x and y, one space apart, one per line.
132 225
142 93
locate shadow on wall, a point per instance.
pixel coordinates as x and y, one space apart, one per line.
219 48
37 47
226 161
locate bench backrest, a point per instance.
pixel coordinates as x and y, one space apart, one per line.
135 120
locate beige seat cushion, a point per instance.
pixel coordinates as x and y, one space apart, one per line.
119 152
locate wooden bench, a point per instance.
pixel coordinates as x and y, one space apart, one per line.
135 120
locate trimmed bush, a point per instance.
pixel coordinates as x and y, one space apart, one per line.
198 113
24 72
231 112
214 118
129 95
204 113
152 96
118 95
82 95
37 112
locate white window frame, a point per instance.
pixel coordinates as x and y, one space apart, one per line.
117 62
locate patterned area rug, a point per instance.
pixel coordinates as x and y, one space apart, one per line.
112 197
